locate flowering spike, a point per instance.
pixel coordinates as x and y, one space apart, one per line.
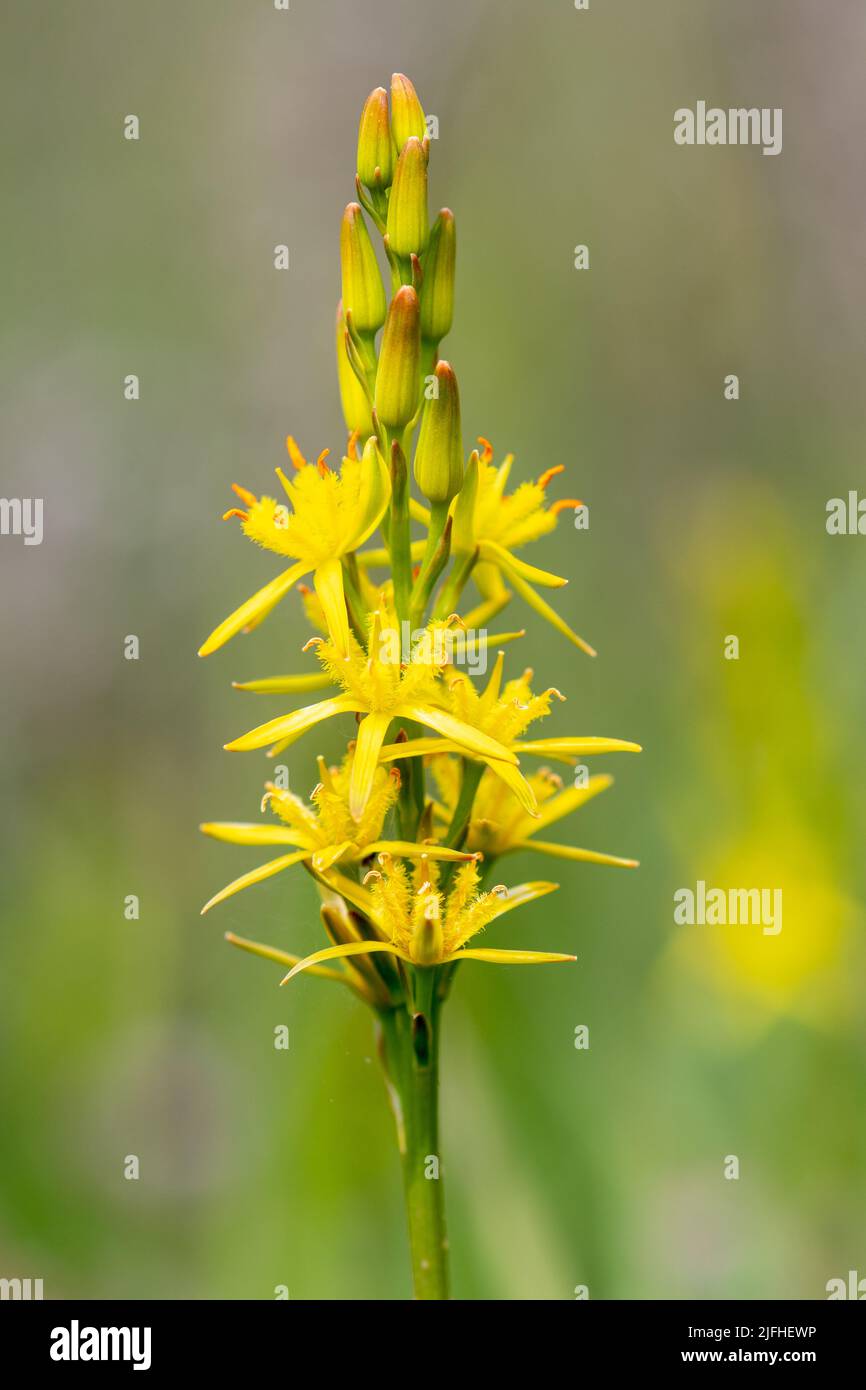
441 772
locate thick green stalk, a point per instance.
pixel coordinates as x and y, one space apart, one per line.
409 1047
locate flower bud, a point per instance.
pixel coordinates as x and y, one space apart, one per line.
407 205
439 454
375 145
354 399
399 361
363 292
437 286
407 117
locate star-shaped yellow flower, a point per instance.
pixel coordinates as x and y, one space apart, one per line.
384 683
425 926
508 711
323 830
500 825
493 524
330 515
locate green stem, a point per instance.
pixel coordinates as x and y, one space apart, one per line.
472 773
449 594
409 1047
399 536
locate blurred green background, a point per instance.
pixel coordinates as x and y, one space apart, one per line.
151 1037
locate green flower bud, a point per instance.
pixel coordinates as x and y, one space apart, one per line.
437 287
375 144
363 292
354 399
407 117
439 453
407 205
399 361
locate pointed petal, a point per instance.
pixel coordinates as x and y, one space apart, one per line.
349 948
494 957
286 685
240 833
538 603
567 748
467 645
354 893
405 849
521 894
274 866
585 856
569 800
374 559
416 748
516 783
255 608
370 737
498 555
285 958
455 729
328 580
480 616
377 495
288 727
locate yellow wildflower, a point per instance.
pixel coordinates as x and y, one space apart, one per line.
506 712
424 926
324 830
331 515
383 683
499 824
492 524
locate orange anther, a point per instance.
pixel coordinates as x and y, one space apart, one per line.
486 449
320 463
234 511
298 460
551 473
244 494
565 504
353 440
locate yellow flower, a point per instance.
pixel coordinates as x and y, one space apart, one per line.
425 926
499 824
331 514
324 830
506 712
493 524
383 683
